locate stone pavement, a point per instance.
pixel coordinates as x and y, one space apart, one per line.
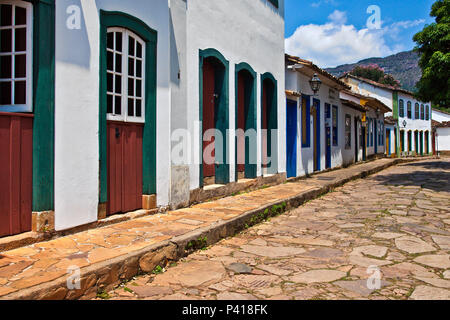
110 255
395 224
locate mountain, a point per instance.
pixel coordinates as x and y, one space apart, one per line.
404 66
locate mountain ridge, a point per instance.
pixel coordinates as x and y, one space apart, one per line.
404 66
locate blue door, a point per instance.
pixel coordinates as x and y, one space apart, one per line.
291 138
317 135
376 136
328 137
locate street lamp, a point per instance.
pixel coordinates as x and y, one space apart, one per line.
315 83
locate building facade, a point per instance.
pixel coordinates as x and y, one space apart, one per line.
327 129
413 117
99 95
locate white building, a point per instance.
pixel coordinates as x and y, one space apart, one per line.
413 117
325 130
441 131
105 90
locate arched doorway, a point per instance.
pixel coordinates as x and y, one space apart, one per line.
214 114
269 124
246 137
127 112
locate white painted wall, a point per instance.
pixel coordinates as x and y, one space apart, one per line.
443 139
296 81
77 106
250 31
414 124
440 116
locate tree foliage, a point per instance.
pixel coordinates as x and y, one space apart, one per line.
433 44
375 73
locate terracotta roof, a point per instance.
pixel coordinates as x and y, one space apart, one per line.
376 84
354 105
445 124
390 120
292 60
438 110
293 93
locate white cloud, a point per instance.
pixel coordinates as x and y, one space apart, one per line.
338 17
335 43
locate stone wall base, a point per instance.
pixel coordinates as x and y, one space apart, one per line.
212 192
43 222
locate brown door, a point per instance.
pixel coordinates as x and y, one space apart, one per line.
208 115
16 172
124 167
241 123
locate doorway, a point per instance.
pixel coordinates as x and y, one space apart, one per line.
246 138
356 140
214 115
316 131
269 124
291 138
388 142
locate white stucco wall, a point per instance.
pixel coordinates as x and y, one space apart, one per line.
77 106
250 31
414 124
296 81
443 139
440 116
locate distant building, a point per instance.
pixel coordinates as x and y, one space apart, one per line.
413 117
331 128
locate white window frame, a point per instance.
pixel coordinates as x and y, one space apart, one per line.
28 106
124 95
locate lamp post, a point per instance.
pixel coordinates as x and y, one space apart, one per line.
315 83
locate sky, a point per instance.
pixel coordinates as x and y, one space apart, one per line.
336 32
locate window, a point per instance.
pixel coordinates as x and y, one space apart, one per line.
417 111
422 112
16 56
306 131
327 111
409 110
348 131
335 126
427 113
125 76
401 109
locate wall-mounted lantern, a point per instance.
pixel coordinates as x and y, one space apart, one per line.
315 83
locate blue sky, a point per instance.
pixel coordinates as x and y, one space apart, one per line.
334 32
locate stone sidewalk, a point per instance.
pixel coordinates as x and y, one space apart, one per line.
393 226
110 255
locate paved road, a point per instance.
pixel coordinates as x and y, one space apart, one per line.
393 226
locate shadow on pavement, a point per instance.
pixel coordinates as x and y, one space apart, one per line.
437 179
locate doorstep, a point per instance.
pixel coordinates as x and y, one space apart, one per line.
114 253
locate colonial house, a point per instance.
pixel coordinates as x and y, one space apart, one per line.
370 126
96 95
441 131
326 129
413 117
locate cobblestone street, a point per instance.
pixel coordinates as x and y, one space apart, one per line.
397 220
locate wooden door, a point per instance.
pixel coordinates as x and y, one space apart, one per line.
291 138
209 116
124 167
241 111
16 173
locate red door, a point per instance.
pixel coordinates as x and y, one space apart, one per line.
208 116
241 123
16 172
264 127
124 167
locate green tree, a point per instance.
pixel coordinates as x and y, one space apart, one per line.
375 73
433 44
